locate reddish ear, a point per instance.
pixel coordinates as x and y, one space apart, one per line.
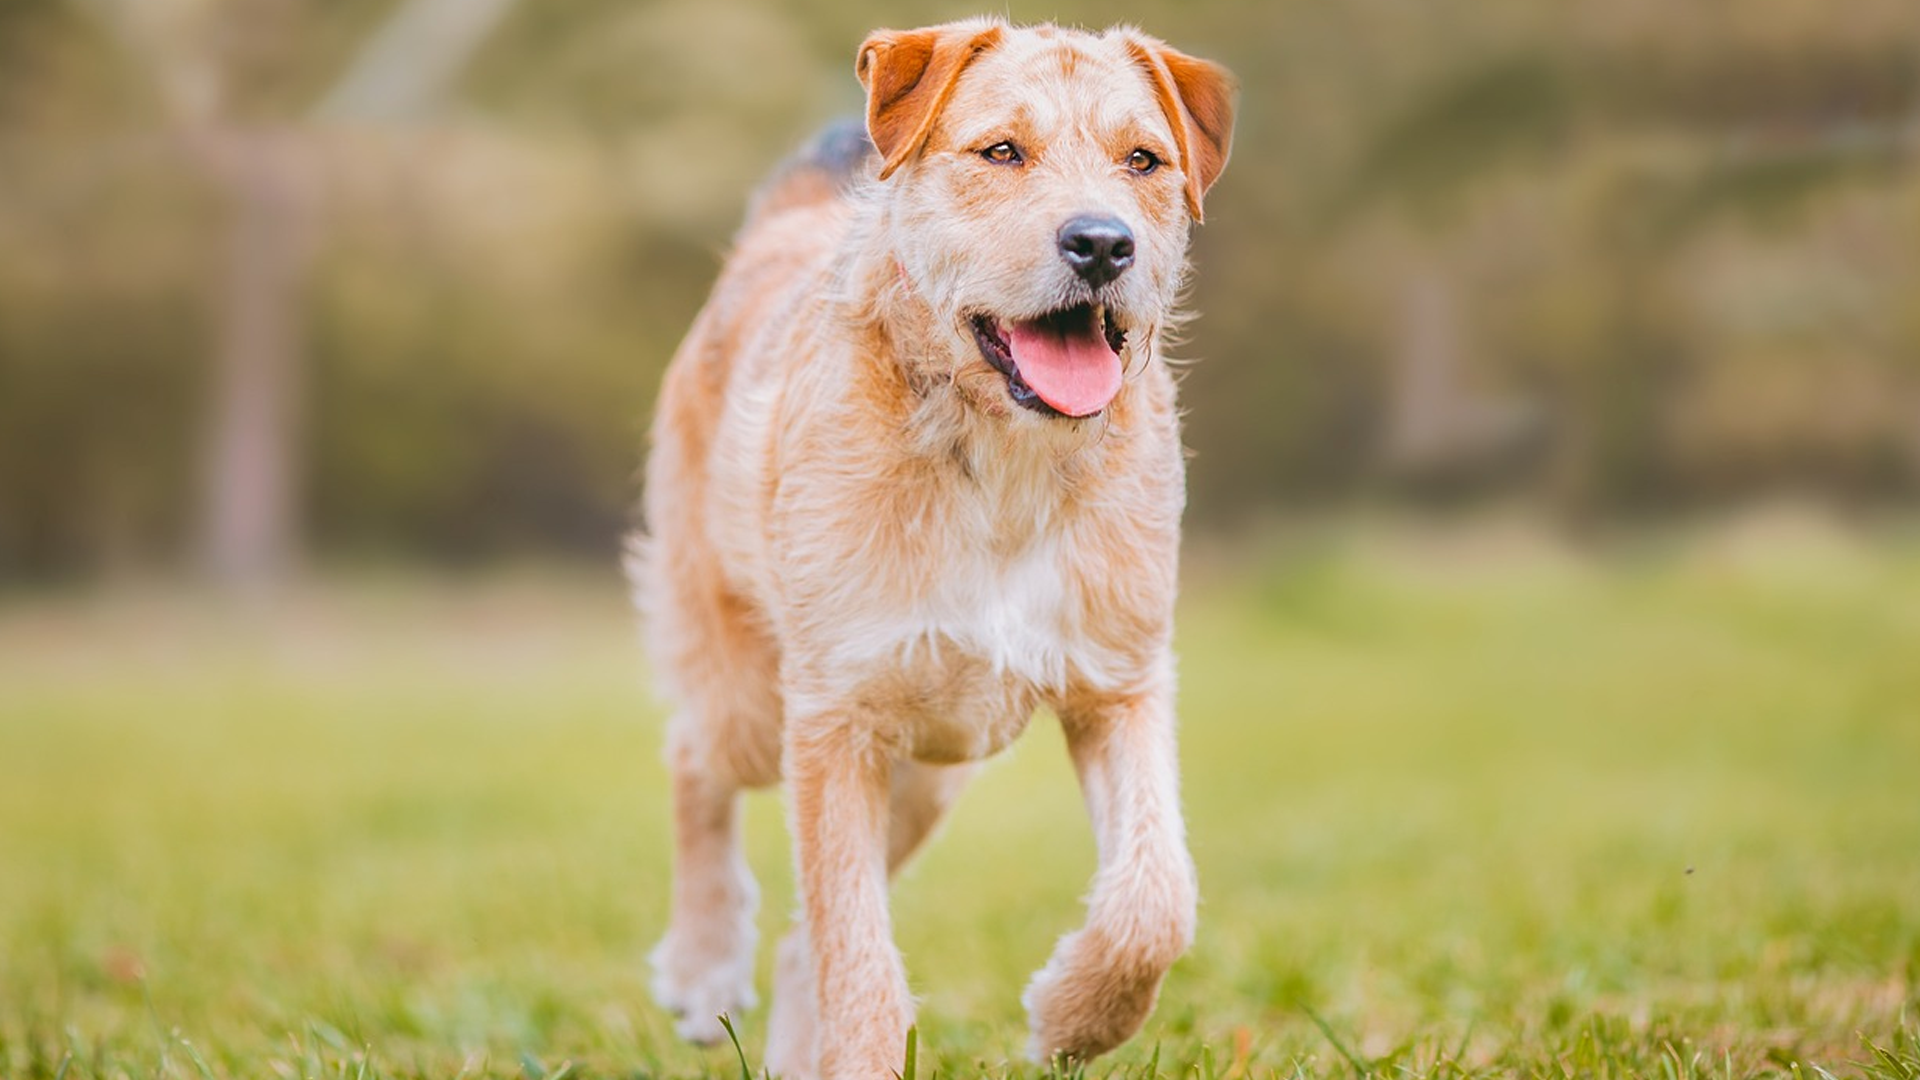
908 75
1197 96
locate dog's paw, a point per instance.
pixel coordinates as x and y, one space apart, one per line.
697 1008
702 1029
697 989
1082 1004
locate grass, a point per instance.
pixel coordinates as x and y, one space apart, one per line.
1485 811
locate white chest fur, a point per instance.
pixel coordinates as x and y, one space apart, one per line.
970 600
962 663
1017 614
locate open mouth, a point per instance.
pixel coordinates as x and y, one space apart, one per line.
1064 363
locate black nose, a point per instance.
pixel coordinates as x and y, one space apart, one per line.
1098 247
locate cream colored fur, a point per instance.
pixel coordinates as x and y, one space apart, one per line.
867 567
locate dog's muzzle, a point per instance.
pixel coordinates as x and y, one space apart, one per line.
1064 363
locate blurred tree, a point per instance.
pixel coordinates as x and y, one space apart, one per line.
1832 115
399 277
267 171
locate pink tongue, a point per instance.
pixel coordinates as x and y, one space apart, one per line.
1071 367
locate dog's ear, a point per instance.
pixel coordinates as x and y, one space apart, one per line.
1197 96
908 75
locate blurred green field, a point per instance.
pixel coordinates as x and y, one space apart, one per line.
1487 809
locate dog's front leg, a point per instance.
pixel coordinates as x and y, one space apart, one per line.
839 775
1102 980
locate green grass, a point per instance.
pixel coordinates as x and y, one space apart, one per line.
1488 811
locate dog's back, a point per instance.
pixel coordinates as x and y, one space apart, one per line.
823 170
794 220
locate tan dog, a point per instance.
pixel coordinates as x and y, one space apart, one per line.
917 472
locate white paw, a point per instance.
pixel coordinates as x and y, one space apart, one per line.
697 990
702 1029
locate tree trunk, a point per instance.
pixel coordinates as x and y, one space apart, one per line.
249 536
1424 394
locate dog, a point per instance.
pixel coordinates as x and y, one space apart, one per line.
916 472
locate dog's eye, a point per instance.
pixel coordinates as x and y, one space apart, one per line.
1142 162
1003 153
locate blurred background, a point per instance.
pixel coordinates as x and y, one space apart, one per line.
286 283
1548 687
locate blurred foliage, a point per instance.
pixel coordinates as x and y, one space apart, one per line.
1610 256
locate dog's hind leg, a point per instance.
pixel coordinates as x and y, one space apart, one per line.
703 967
793 1051
921 796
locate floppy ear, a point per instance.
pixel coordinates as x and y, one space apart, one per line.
1197 96
908 75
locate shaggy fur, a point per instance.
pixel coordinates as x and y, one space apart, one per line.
869 564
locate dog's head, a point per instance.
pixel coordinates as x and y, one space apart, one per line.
1040 185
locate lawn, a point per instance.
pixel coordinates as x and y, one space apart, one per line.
1475 808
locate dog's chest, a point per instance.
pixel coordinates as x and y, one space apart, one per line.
973 633
953 599
977 650
1016 613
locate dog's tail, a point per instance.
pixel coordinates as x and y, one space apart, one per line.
819 172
